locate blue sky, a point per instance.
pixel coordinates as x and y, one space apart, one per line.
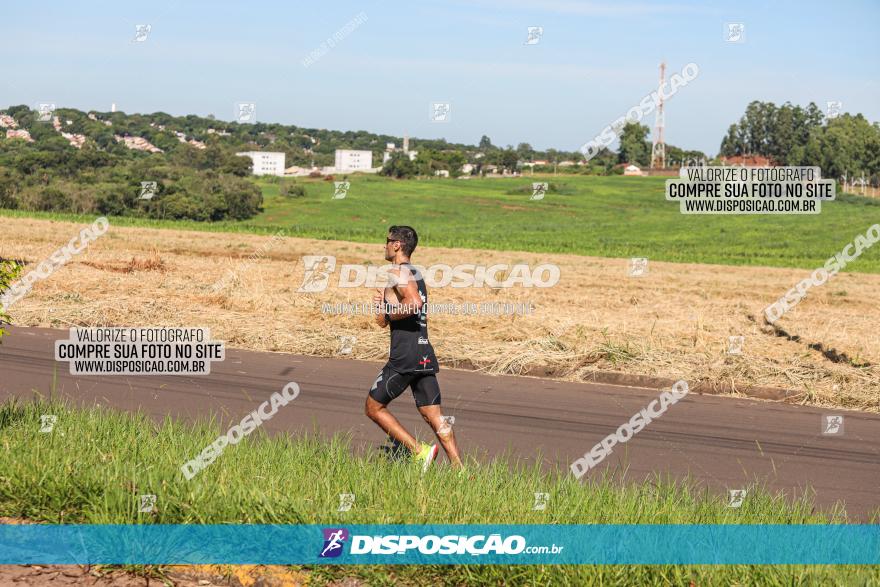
594 61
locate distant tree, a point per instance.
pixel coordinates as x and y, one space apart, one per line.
509 160
846 145
779 133
485 144
634 147
399 166
676 157
525 151
454 162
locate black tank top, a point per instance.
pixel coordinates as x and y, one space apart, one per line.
411 352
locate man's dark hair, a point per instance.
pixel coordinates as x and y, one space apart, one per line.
407 237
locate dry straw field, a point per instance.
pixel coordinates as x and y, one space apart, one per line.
597 323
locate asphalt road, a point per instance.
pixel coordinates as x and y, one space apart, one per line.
723 442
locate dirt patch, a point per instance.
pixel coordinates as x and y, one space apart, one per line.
50 575
239 575
673 323
178 576
151 263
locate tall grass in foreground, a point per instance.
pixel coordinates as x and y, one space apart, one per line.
95 463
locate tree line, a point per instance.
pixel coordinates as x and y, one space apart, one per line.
841 144
198 176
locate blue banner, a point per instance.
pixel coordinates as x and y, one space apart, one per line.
440 544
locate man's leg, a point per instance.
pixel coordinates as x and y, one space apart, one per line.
426 391
378 413
389 385
433 415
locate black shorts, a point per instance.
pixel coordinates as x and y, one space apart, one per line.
390 384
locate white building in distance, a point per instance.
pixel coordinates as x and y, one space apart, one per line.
265 162
348 160
392 148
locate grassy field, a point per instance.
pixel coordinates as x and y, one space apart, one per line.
94 464
587 215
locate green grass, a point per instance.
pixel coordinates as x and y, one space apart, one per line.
96 462
587 215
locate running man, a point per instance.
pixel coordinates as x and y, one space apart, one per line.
411 362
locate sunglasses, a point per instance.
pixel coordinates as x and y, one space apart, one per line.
392 240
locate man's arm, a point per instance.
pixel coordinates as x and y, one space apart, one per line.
379 303
407 291
410 301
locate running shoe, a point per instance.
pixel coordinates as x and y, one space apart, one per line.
395 451
426 455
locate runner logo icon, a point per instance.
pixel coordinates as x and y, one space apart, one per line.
334 539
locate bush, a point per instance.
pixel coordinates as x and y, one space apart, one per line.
52 200
112 201
243 200
289 190
181 206
9 272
